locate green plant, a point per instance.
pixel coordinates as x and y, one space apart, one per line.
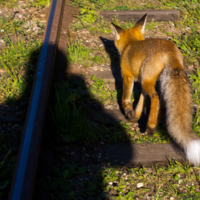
40 3
70 120
87 15
78 53
6 172
15 59
64 182
9 3
122 8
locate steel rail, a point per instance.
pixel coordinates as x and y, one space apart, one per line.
25 170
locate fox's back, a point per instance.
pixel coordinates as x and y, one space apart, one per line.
150 47
160 51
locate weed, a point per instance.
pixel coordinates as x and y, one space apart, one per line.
40 3
189 44
121 182
70 120
77 53
15 59
65 179
9 3
6 168
102 93
87 15
122 8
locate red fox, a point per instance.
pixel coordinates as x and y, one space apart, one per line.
149 60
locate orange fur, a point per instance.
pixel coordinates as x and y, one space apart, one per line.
150 60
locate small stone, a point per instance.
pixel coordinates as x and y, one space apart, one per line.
179 181
171 198
139 185
110 183
18 15
102 143
42 15
27 25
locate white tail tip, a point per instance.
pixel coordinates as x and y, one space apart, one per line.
193 152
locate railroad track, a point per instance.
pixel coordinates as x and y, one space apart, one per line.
36 156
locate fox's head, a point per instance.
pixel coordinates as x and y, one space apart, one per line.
125 36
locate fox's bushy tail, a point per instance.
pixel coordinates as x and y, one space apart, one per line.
176 91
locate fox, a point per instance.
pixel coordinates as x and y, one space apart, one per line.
148 61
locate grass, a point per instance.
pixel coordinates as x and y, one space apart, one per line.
127 4
18 60
9 144
9 3
33 3
102 92
73 180
73 121
39 3
87 56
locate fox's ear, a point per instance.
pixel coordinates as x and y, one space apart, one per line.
141 23
116 30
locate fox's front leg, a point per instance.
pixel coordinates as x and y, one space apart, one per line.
128 84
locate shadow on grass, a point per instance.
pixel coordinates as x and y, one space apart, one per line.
12 117
78 143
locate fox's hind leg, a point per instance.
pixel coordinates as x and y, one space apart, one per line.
128 83
140 106
149 88
150 71
161 110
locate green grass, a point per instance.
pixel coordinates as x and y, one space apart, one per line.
7 164
33 3
39 3
102 92
73 122
128 4
16 59
8 3
71 118
73 180
87 56
19 59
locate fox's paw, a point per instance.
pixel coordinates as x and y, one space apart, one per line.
134 120
130 113
150 131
